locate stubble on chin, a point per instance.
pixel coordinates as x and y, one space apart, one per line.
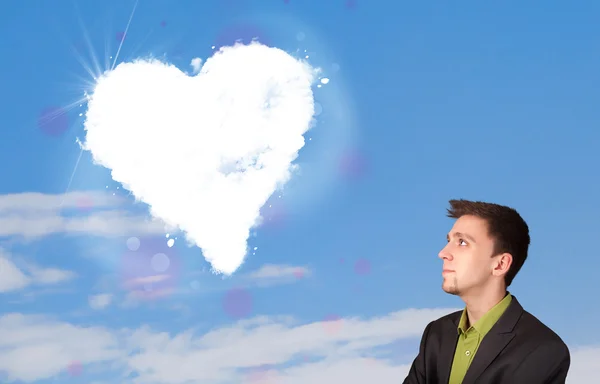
451 287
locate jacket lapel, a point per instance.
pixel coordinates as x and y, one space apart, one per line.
447 348
494 342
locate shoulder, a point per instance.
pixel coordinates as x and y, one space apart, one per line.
549 341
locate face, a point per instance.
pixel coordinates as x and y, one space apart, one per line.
468 263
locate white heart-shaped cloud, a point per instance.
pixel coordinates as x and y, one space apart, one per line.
205 152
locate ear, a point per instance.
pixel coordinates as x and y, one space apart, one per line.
502 264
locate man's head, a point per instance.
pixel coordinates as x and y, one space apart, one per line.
487 247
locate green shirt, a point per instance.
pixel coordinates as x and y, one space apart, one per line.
469 339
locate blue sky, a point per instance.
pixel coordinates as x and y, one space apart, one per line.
432 100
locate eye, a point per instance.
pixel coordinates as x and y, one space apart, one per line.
462 242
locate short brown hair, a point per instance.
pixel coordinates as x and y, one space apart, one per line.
508 229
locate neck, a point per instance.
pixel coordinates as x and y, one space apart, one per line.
478 304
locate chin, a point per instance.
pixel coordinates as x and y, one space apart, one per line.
449 288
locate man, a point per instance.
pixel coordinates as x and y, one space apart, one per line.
493 340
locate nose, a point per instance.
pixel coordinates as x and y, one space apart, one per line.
444 254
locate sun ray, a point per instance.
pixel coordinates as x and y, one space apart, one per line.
124 35
107 56
140 45
82 62
83 84
75 103
51 115
89 44
95 61
76 50
72 173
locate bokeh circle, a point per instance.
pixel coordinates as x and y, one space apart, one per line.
237 303
149 268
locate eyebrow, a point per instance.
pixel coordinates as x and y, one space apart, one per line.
460 234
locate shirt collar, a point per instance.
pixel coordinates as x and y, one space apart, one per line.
487 321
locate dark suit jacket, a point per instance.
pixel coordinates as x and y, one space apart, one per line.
519 349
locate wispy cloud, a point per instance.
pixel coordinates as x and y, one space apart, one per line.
35 215
14 278
268 275
100 301
226 353
42 275
36 202
11 277
49 345
291 352
275 271
276 274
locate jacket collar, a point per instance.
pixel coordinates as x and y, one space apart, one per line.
492 344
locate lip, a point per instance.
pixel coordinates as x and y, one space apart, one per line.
447 271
